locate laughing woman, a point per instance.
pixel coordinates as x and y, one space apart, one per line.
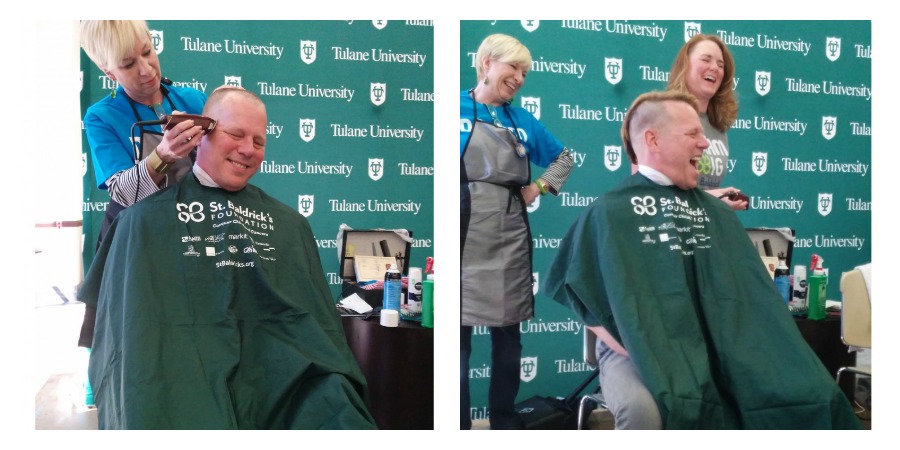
497 143
704 67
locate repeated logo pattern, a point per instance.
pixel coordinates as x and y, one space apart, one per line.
790 77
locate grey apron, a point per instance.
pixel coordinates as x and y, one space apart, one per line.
150 140
495 247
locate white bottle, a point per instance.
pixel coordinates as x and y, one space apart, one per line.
798 298
414 291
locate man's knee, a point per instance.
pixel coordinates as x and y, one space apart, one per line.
638 413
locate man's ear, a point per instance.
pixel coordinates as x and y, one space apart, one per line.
651 140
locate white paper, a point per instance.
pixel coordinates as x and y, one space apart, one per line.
355 303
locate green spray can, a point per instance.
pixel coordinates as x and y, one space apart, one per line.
817 285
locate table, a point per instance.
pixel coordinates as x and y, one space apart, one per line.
824 337
398 364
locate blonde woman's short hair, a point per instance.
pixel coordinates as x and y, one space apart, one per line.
503 48
107 42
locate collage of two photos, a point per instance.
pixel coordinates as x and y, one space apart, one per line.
650 214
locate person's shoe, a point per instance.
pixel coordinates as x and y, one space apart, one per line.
507 423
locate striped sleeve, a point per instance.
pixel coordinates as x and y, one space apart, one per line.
558 171
129 186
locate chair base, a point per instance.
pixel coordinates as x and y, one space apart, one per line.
861 411
587 405
867 371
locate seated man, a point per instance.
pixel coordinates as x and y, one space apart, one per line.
692 332
212 308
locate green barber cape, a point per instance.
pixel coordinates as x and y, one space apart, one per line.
673 276
213 313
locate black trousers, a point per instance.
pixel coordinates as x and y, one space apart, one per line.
506 355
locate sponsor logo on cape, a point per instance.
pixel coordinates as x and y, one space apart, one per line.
644 205
190 213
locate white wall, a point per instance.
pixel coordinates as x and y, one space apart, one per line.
55 152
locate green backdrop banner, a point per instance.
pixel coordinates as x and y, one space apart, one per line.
350 110
800 147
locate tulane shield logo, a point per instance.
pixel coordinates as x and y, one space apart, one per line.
832 48
763 82
306 205
690 29
825 204
232 81
535 283
531 25
308 51
759 163
612 68
378 93
379 24
156 39
829 127
528 368
376 168
307 129
532 105
612 157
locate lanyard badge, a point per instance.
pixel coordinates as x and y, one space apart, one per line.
520 148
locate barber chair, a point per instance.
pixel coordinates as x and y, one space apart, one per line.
856 319
589 402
